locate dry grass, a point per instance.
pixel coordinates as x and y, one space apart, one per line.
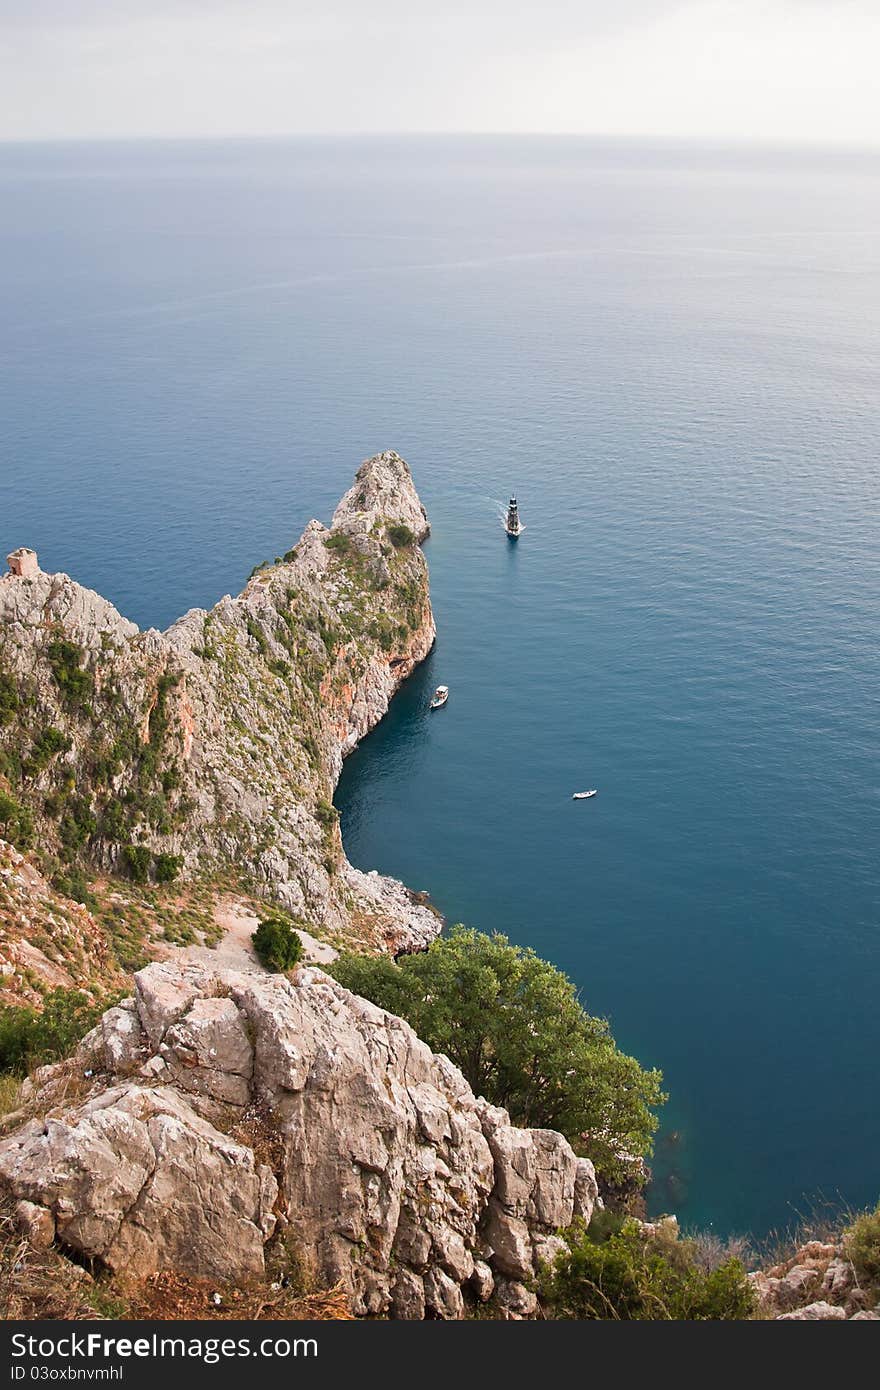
822 1220
174 1296
10 1086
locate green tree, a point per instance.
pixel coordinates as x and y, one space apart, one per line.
515 1026
632 1276
277 945
28 1038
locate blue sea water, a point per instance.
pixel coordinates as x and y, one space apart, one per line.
671 355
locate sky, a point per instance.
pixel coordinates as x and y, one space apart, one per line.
779 71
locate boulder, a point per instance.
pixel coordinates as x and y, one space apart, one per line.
389 1175
839 1278
135 1178
815 1312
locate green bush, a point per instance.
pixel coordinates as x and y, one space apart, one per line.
514 1025
77 825
277 945
167 867
9 700
47 743
326 814
16 822
73 883
136 860
66 660
401 535
29 1039
338 541
628 1275
861 1242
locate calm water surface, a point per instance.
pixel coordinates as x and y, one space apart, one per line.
672 356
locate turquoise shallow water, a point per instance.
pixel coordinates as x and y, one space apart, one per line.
672 356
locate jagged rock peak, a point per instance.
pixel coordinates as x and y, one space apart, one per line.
383 490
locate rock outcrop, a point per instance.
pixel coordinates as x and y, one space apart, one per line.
378 1166
220 741
818 1283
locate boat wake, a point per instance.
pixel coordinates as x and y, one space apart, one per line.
501 514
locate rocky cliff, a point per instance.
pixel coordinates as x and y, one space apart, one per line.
217 1114
47 941
220 741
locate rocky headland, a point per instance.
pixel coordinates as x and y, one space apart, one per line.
217 744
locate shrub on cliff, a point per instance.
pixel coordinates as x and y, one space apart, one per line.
9 701
16 822
29 1039
629 1275
514 1025
277 945
400 535
861 1243
66 660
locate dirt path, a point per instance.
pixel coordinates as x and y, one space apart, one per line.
234 950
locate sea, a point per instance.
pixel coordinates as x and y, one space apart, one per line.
671 354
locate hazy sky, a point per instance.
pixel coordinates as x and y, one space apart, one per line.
779 70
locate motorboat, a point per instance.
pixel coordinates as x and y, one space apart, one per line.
440 696
585 796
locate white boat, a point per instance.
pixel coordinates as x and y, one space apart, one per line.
585 796
440 696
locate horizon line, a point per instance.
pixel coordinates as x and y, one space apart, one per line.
750 142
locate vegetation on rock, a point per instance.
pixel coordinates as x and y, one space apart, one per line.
278 946
618 1270
861 1241
29 1038
515 1026
400 535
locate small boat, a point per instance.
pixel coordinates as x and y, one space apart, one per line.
440 696
513 526
585 796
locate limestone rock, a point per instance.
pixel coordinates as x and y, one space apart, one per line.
36 1223
443 1295
388 1173
482 1281
135 1178
815 1312
514 1301
586 1190
839 1278
796 1284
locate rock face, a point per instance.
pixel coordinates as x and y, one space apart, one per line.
390 1177
47 941
220 741
136 1178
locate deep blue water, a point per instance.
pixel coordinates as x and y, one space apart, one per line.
672 356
